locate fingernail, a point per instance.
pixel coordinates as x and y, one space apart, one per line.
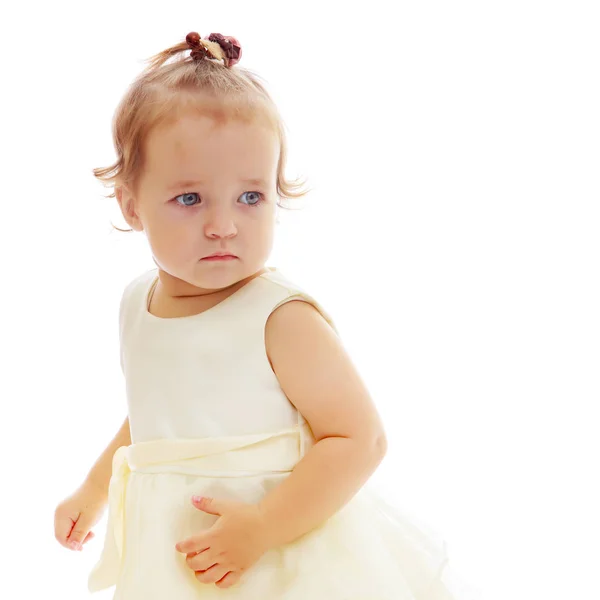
75 546
197 498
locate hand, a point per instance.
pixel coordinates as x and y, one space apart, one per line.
231 546
75 516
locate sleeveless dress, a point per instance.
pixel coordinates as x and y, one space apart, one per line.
208 417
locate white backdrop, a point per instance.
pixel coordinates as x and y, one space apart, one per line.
452 234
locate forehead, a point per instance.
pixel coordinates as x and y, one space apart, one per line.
196 145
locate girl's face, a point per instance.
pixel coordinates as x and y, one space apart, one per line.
206 188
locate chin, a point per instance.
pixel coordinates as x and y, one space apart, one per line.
215 275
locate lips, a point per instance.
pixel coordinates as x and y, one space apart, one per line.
219 257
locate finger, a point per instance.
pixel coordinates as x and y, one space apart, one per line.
74 546
62 529
80 530
88 537
213 574
229 580
209 505
201 561
195 544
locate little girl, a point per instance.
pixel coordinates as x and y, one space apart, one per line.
240 471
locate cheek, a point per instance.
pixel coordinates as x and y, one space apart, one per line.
169 220
267 216
266 231
172 233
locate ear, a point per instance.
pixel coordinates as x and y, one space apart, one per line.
127 204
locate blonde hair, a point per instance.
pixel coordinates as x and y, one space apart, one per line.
166 89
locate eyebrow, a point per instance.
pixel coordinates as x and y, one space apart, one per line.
190 183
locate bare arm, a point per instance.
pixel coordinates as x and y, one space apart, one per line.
100 473
318 377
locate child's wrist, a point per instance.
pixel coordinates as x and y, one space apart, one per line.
96 489
268 528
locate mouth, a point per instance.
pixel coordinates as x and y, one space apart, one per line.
220 256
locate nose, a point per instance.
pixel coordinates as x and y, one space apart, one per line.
219 223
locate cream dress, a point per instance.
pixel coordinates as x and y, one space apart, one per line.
208 417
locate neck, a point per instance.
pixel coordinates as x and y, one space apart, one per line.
178 288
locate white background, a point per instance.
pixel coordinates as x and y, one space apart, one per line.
452 234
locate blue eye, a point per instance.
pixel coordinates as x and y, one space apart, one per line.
257 197
188 198
192 198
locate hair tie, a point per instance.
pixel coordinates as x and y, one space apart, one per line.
217 46
230 46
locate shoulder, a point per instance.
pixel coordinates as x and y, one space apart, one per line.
296 327
293 331
297 319
139 281
297 322
318 376
294 314
289 298
135 288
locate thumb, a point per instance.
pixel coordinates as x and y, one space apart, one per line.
80 533
207 505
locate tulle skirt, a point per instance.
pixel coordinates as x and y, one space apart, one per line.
367 551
